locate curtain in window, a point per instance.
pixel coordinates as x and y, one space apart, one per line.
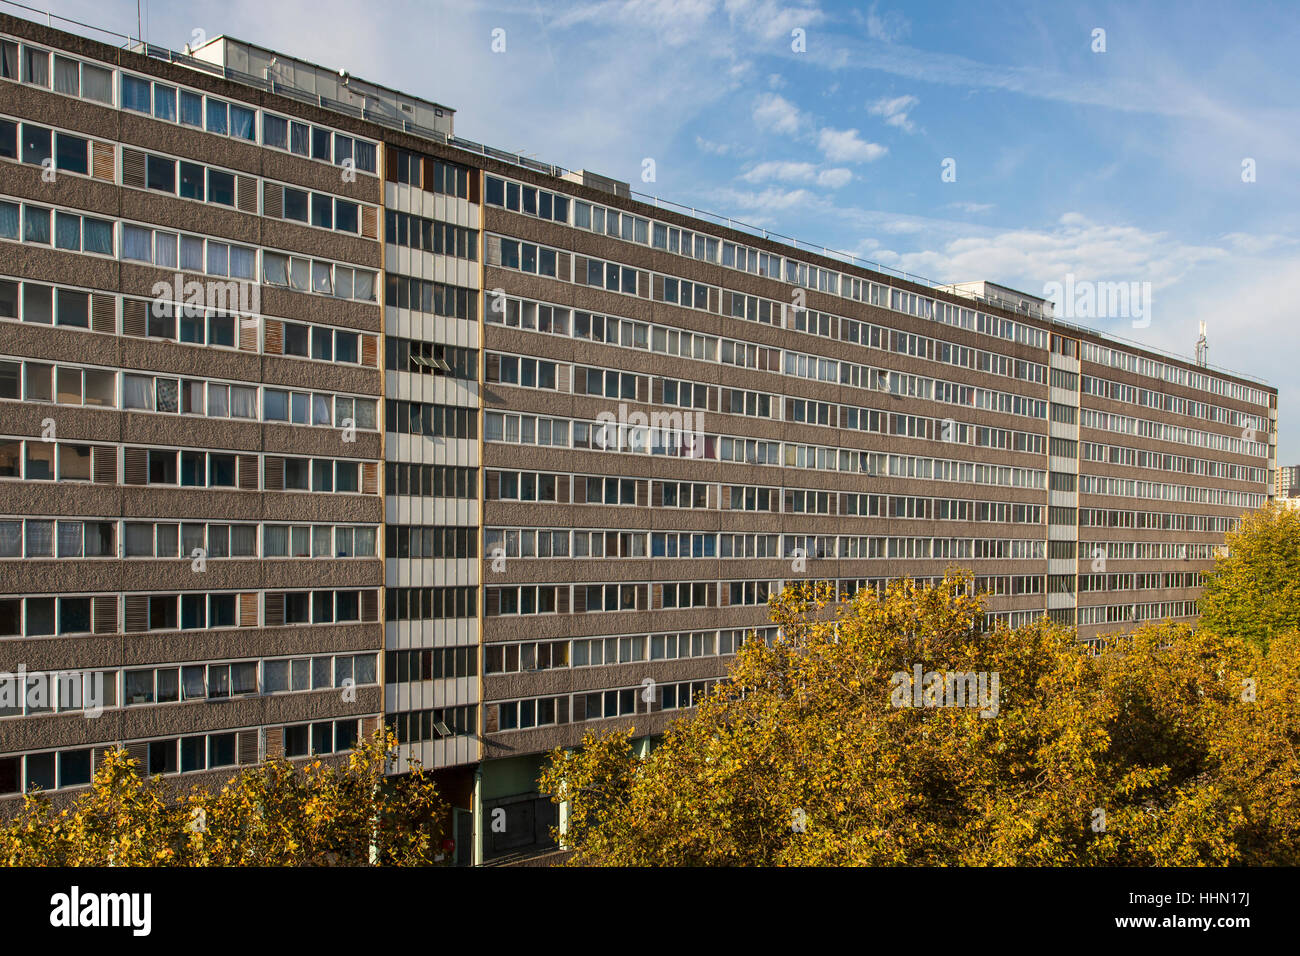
218 401
243 262
322 536
365 542
218 258
275 269
97 236
243 540
365 413
37 68
69 539
164 249
9 220
11 539
67 231
322 279
164 102
241 122
139 540
275 541
66 76
137 244
137 392
97 84
36 225
40 539
299 274
168 391
135 94
320 410
9 60
364 283
191 253
298 139
243 402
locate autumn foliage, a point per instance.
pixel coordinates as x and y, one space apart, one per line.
1168 747
275 814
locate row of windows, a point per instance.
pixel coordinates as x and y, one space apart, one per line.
1141 582
441 541
415 726
1149 550
39 460
584 543
600 436
190 324
1163 401
598 651
430 604
434 298
211 184
1153 368
430 481
430 235
45 147
1158 520
427 173
72 385
62 538
215 681
529 599
70 230
1143 458
437 663
1179 434
599 705
49 616
172 104
431 421
430 358
1133 613
1132 488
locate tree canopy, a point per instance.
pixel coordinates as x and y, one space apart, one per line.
274 814
1169 746
1254 590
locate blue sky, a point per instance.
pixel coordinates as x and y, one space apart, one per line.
1123 165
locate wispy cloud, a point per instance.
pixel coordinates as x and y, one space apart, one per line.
775 113
796 172
895 111
846 146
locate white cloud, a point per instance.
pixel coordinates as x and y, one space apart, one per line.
708 146
846 146
775 113
971 207
798 173
887 28
895 111
834 178
770 19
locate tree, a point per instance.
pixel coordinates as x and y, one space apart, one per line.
1254 591
274 814
823 749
